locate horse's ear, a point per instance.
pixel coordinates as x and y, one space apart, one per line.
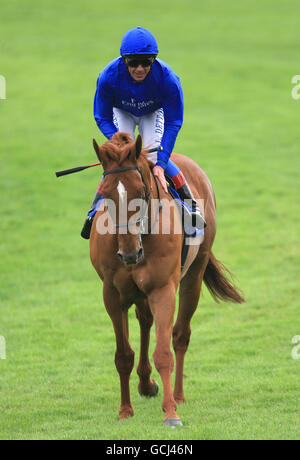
97 150
138 146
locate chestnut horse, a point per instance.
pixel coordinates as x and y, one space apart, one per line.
145 270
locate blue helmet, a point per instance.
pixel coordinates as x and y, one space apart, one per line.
138 41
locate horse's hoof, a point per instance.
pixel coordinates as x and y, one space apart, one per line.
150 395
156 388
172 422
125 413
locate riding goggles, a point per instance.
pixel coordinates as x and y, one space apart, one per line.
135 61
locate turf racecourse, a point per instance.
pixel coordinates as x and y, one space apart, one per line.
236 62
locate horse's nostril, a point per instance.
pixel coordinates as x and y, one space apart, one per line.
132 258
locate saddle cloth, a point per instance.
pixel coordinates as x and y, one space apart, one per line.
191 240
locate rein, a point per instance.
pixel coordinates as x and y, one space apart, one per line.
159 208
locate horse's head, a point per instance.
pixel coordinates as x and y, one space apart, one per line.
127 184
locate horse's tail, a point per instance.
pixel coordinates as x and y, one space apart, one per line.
218 284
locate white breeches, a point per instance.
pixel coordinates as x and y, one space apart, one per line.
150 127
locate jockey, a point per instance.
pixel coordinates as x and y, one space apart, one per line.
137 89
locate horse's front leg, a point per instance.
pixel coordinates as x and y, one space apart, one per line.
124 356
162 304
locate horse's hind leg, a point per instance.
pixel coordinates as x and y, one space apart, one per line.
147 386
189 293
124 356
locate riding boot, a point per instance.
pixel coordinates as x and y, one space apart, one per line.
186 195
193 213
86 231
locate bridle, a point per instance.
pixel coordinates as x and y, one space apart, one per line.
141 220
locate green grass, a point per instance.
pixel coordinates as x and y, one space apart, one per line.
236 61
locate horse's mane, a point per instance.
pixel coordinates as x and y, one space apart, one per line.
119 146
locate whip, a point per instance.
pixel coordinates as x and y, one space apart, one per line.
82 168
